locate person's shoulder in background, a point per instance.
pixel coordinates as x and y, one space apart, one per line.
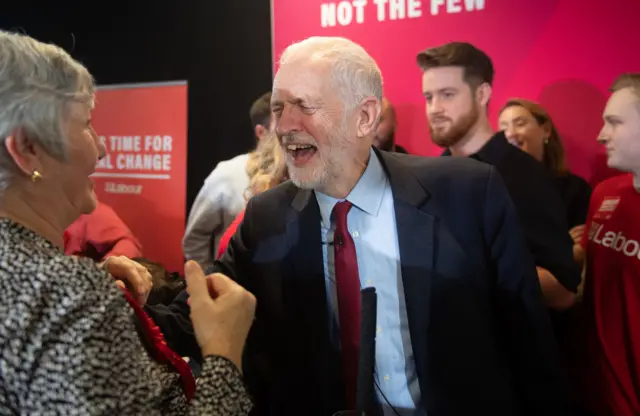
576 193
228 169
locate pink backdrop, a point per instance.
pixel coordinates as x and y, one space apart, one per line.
562 53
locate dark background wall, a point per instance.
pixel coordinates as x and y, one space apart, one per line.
221 47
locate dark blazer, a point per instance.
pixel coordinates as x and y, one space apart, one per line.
539 206
479 329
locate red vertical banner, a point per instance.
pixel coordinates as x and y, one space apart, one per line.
144 174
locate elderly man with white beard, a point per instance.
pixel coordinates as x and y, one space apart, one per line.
462 326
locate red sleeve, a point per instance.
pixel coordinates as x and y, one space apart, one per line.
127 246
109 235
224 240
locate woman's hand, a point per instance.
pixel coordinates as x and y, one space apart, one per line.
576 233
129 274
556 296
221 312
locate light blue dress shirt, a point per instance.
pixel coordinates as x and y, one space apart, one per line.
372 224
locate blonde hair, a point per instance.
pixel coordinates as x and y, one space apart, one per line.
629 80
266 166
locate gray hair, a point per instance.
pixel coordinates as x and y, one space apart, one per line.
354 71
37 81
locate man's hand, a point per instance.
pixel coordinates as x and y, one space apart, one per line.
221 312
129 274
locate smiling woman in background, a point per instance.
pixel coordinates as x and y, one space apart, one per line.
69 339
528 126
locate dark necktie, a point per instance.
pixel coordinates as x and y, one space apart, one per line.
348 290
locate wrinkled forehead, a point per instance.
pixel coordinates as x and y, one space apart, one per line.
306 80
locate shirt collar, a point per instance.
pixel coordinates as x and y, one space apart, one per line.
366 195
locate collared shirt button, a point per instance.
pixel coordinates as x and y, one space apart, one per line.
387 378
355 234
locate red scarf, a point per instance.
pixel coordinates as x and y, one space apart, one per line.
160 351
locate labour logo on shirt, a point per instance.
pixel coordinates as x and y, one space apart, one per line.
607 207
613 240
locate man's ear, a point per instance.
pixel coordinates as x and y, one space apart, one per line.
260 131
483 94
368 115
23 151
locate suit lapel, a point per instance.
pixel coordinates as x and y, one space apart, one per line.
416 236
305 298
306 283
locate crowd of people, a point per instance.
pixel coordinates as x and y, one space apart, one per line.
504 284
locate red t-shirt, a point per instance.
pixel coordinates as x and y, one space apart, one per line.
226 237
101 234
610 366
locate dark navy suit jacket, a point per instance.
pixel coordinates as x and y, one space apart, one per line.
479 329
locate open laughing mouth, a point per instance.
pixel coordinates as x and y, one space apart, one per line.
301 153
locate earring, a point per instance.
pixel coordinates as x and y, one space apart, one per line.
35 176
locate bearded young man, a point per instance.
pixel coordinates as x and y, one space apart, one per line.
457 79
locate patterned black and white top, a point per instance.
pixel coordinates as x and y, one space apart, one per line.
68 343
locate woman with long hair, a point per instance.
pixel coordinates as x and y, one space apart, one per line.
527 125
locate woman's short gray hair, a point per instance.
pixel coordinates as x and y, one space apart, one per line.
37 81
354 71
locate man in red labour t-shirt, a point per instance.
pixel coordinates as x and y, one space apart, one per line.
610 367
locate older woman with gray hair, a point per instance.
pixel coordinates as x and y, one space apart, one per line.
71 341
